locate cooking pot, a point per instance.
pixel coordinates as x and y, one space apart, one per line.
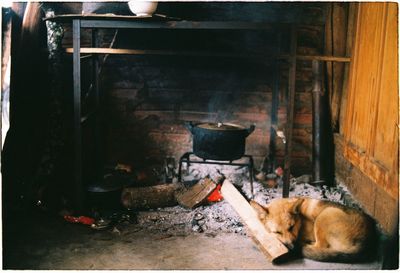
219 141
106 193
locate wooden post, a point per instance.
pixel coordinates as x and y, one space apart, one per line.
290 111
268 243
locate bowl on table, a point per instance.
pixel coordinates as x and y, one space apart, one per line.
142 8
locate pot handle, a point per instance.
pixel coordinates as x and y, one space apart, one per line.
189 125
250 129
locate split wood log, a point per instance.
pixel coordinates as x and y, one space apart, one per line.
268 244
195 195
158 196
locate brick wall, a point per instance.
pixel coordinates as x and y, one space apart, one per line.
148 98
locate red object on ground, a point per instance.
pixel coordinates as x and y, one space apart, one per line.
81 219
215 196
279 171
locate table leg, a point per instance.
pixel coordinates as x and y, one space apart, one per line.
76 38
290 111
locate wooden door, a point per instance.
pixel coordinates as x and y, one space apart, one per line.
371 120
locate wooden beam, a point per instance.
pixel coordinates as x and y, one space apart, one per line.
268 243
122 51
323 58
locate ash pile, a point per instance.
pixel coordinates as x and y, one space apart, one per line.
213 218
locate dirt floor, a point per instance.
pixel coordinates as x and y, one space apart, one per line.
207 237
34 240
53 244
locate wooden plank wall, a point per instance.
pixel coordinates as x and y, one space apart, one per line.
370 133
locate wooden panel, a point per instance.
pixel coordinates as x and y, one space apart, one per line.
364 72
371 131
386 123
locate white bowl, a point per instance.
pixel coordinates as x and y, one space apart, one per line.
142 8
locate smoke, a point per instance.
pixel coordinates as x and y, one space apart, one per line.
220 107
222 104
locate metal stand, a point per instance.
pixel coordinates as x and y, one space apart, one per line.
250 166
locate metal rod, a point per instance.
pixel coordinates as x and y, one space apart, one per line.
251 174
290 111
316 121
162 21
274 109
216 163
95 76
233 25
95 71
76 38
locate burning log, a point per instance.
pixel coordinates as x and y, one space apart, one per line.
268 244
195 195
149 197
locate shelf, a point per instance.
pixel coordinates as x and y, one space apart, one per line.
120 51
160 22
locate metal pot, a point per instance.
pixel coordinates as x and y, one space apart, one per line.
219 141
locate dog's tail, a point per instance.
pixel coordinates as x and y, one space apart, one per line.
365 249
330 255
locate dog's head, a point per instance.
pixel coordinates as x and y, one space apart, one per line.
281 218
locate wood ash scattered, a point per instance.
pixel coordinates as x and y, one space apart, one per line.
212 218
221 217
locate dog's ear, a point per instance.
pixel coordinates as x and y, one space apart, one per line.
261 211
296 205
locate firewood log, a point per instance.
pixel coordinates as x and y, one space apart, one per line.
152 197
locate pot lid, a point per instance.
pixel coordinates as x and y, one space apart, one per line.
220 126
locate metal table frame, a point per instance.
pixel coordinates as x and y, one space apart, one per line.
131 22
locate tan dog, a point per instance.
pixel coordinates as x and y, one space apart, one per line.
324 231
